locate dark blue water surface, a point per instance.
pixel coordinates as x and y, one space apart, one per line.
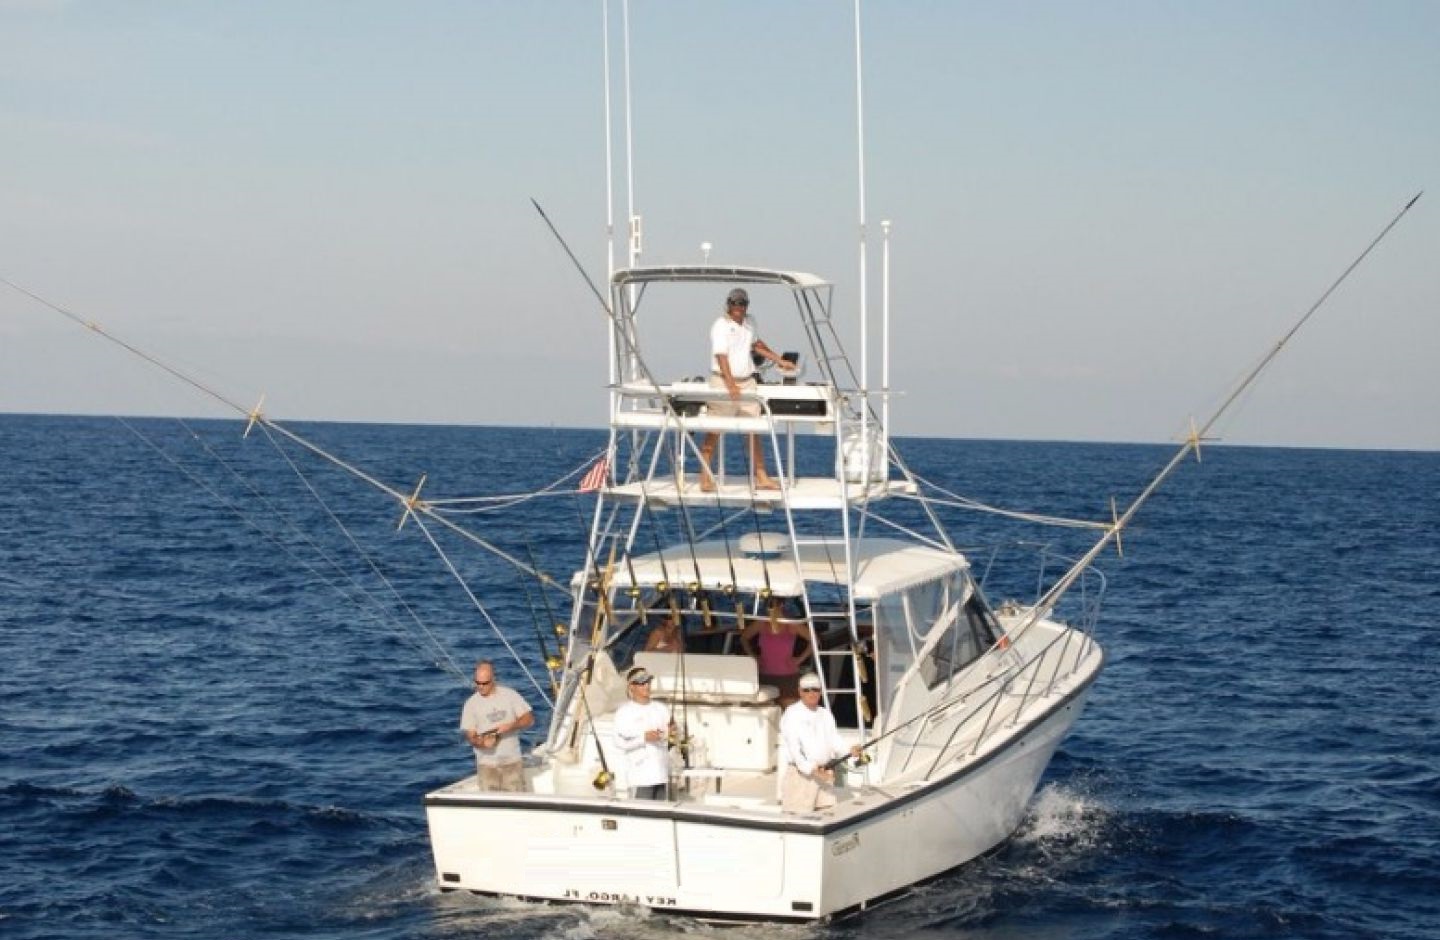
217 719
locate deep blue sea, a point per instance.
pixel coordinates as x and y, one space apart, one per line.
218 717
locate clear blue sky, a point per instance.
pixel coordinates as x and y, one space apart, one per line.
1103 212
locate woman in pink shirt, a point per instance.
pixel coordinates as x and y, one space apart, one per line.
773 641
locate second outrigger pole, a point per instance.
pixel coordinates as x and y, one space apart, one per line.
1052 597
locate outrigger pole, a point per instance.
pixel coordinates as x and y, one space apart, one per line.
1192 442
411 503
1052 597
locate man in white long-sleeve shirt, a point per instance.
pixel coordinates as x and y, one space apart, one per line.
810 741
642 730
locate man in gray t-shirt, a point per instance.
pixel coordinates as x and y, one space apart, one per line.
492 721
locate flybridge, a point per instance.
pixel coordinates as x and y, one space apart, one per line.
665 467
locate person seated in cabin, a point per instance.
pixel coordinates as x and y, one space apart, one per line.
772 640
642 732
809 744
666 636
491 721
732 370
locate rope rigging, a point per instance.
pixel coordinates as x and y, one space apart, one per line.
377 611
412 504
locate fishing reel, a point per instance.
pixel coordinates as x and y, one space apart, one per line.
603 780
863 759
554 663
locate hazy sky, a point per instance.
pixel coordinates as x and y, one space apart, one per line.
1104 212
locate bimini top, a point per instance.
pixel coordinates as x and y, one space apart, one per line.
702 273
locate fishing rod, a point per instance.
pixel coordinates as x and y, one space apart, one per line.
582 679
683 743
633 349
552 663
702 600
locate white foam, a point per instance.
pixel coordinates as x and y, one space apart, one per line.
1061 814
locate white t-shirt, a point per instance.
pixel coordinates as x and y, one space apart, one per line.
647 762
484 712
733 341
809 737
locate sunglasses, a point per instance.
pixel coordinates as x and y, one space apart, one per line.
739 303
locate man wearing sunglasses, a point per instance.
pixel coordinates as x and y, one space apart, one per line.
809 741
732 370
492 721
642 730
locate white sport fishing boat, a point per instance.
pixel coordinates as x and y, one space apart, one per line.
957 705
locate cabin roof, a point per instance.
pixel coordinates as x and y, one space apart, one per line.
883 566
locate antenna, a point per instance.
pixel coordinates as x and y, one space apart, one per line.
635 242
885 334
864 284
609 181
609 146
705 252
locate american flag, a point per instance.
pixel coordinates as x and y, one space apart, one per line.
595 478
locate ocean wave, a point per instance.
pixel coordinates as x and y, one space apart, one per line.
116 800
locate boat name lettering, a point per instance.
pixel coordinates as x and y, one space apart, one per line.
848 844
618 897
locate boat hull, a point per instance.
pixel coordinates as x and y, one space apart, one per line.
729 865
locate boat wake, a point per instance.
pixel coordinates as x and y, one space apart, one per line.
1065 820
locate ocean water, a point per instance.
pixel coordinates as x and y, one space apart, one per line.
218 715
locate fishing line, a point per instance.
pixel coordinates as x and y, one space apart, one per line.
378 614
464 586
451 665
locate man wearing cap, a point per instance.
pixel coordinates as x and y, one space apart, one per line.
809 741
732 340
642 731
492 721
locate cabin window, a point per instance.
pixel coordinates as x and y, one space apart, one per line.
897 651
969 630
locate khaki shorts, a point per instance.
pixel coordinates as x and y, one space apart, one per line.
728 407
502 778
802 794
